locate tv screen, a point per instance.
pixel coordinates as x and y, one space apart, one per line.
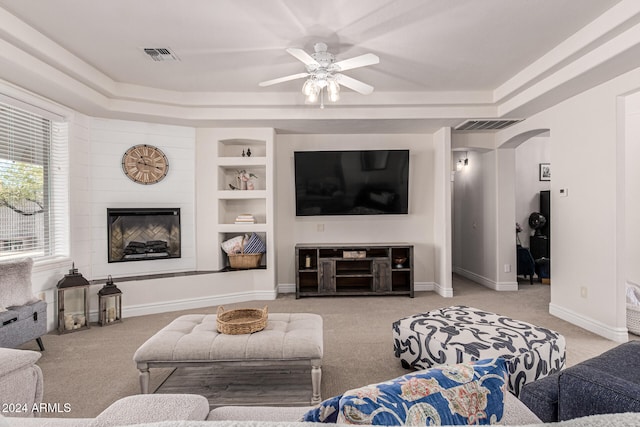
372 182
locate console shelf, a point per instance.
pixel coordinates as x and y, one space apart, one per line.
360 269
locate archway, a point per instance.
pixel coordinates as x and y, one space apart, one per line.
532 194
483 206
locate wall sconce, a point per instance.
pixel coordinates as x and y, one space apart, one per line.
462 162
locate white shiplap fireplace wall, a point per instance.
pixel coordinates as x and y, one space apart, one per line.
110 188
153 286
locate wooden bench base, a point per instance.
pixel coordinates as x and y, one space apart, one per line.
316 371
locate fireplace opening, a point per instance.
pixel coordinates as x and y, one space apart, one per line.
140 234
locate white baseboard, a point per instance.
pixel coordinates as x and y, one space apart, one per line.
186 304
475 277
424 286
506 286
491 284
432 286
443 292
599 328
287 288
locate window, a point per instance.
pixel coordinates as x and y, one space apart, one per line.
33 185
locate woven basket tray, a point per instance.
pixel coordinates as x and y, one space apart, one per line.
241 321
244 260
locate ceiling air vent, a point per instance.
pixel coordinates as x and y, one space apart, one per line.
487 124
160 54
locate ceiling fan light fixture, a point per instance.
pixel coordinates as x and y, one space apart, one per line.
313 95
323 72
308 87
333 87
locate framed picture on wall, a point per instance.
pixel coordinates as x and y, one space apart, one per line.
545 171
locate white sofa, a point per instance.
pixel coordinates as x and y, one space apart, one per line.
190 410
21 381
180 408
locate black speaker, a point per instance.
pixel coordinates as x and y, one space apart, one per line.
545 209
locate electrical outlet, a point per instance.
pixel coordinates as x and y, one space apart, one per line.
507 268
564 192
42 296
583 291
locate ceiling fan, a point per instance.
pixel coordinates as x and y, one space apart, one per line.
324 72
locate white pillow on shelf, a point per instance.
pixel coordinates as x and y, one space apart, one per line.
233 245
633 295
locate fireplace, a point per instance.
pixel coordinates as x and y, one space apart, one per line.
140 234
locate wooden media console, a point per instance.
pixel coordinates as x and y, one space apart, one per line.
360 269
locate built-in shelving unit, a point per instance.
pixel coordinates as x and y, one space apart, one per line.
369 269
232 159
221 155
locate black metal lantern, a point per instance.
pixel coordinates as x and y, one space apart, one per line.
110 303
73 302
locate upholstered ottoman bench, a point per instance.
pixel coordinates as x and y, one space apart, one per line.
193 340
460 334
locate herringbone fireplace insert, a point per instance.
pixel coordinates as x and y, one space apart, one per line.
137 234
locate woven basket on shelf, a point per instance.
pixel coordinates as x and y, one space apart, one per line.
633 312
241 321
633 319
243 260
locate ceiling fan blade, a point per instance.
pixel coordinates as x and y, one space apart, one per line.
283 79
358 61
354 84
303 56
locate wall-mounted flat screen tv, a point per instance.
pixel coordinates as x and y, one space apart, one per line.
371 182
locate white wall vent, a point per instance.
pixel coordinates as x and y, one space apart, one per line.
487 124
160 54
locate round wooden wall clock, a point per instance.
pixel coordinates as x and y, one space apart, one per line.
145 164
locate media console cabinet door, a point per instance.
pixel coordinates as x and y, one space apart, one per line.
381 275
327 276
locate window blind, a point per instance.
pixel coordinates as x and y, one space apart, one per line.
33 184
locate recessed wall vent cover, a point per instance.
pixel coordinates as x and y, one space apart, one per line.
483 124
160 54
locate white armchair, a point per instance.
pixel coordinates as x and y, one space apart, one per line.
20 382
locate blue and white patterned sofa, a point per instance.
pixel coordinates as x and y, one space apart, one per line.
460 334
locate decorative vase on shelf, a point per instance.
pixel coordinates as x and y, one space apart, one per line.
242 184
399 261
244 180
